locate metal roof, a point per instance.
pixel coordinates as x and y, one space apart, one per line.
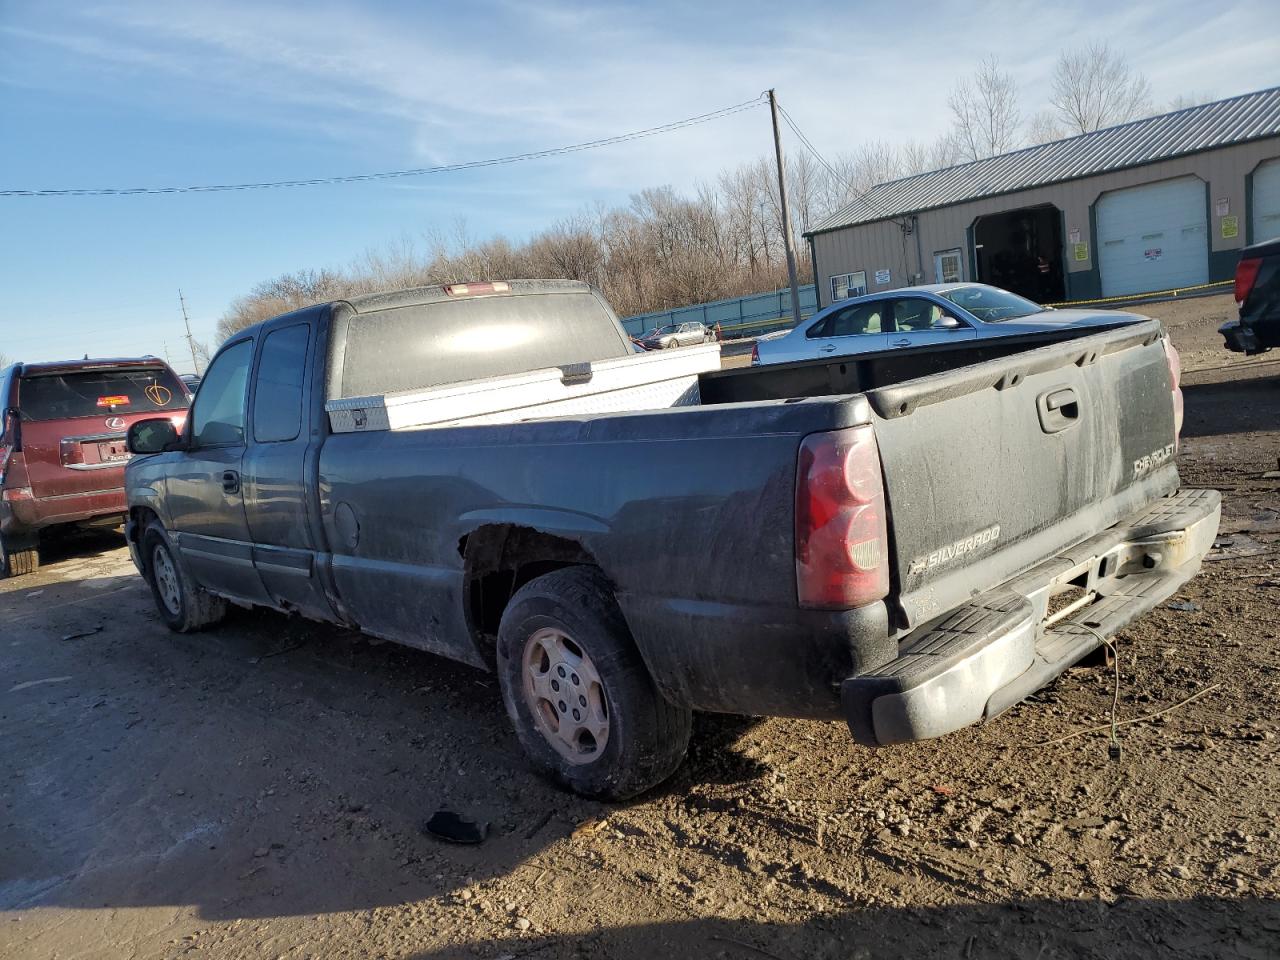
1251 116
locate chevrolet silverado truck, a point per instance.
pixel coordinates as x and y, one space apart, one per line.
910 541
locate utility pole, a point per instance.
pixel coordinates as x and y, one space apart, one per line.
787 242
190 340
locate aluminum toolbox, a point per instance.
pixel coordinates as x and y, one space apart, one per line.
645 381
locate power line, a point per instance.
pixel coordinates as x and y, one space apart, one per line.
862 195
396 174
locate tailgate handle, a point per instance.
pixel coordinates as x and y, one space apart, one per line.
1059 409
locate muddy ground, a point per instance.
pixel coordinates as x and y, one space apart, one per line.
259 790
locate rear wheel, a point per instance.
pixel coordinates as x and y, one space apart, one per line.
583 704
184 605
17 559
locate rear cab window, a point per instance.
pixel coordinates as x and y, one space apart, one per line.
419 346
100 393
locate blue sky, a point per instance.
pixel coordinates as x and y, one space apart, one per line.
169 93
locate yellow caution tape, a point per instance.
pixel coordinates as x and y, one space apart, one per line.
1143 296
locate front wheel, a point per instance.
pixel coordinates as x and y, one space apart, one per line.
583 704
184 606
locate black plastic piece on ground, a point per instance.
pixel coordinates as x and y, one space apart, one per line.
447 825
1113 751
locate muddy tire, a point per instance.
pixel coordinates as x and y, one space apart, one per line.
583 704
16 562
184 607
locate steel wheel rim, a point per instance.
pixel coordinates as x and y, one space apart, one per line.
566 696
166 580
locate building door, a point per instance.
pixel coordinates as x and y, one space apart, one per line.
1153 237
947 266
1266 202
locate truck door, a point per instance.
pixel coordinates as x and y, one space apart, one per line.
279 467
205 490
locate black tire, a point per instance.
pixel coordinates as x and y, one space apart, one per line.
646 734
196 608
17 562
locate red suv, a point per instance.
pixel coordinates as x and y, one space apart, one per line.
62 449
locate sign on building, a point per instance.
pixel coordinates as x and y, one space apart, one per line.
883 276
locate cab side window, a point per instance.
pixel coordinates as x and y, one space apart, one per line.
277 400
217 419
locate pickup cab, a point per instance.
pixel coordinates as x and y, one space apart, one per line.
910 541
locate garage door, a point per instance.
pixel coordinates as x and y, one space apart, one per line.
1266 202
1153 237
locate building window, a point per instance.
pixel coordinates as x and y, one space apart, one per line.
848 285
947 266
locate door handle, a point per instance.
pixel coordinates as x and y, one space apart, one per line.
904 342
1059 408
230 481
829 348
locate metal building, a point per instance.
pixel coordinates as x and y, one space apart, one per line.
1154 204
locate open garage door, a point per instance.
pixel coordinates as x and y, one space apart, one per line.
1266 202
1153 237
1021 250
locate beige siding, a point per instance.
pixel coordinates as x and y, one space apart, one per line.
881 245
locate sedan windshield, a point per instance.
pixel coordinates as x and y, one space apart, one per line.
990 304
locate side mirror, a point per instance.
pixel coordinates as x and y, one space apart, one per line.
155 435
947 322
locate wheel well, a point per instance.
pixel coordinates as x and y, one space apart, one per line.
141 516
501 558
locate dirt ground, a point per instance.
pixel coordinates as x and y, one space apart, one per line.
259 790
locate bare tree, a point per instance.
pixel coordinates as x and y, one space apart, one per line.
920 157
1044 128
1193 99
984 111
1095 88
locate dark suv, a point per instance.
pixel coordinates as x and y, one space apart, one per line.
1258 297
62 449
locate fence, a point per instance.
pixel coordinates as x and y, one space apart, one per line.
740 316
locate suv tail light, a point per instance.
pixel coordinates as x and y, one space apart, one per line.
841 534
1246 274
755 353
1175 384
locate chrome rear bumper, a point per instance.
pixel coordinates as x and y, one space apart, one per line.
982 658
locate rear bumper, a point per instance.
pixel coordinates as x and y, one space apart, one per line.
977 661
1239 338
25 517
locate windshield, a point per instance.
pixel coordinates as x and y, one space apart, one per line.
990 304
669 328
100 393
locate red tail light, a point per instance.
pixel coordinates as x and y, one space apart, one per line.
1175 384
755 353
841 535
1246 274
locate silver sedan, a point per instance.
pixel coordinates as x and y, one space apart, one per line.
915 316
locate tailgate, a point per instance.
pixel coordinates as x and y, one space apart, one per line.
993 468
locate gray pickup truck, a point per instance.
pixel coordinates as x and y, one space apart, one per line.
912 541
